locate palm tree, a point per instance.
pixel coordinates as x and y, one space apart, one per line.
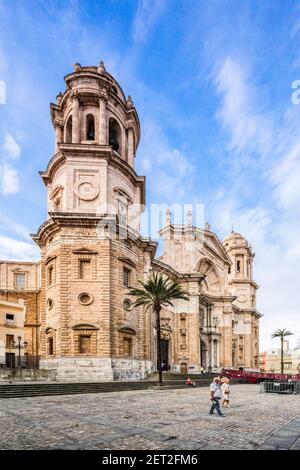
156 292
281 334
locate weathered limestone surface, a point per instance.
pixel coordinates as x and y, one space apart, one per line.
27 375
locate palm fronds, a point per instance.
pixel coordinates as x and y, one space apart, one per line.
158 291
281 333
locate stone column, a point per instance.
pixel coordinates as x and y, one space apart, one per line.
102 139
245 261
130 146
211 353
58 136
75 120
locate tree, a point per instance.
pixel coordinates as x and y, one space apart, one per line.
156 292
281 334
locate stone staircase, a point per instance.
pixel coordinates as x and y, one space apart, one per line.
69 388
170 381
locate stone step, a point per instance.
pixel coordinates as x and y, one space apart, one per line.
174 376
86 386
29 390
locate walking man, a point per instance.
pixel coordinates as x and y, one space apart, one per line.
215 396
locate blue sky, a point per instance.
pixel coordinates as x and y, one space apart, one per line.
212 83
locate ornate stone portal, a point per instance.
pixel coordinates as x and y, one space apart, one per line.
79 318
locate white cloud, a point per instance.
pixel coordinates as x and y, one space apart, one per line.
172 174
11 249
249 127
9 180
11 226
272 229
275 268
2 92
147 14
9 176
11 148
286 177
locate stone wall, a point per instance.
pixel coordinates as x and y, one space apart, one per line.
27 375
131 369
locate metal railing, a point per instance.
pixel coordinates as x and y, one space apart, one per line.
280 387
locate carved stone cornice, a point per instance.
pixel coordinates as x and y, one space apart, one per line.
103 95
84 251
127 329
68 219
128 261
74 95
49 258
244 281
165 268
46 230
85 326
211 299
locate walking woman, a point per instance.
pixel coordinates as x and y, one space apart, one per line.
225 389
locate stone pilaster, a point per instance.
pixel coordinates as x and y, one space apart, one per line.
43 317
130 146
58 136
75 119
64 276
102 119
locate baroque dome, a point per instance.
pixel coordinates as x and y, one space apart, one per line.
235 239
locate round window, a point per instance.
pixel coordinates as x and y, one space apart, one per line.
127 304
85 298
50 303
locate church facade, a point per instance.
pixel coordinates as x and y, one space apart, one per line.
79 318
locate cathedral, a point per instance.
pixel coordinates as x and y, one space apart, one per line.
80 320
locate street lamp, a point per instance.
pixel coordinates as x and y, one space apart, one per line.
19 346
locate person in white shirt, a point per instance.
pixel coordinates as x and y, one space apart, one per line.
225 389
215 396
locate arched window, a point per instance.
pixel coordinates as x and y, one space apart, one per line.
69 131
50 346
115 135
211 282
203 354
50 332
90 127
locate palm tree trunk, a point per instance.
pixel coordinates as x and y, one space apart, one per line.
157 311
281 354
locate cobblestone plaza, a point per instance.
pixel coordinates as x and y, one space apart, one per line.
155 419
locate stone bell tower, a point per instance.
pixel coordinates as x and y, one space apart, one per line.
91 249
245 327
